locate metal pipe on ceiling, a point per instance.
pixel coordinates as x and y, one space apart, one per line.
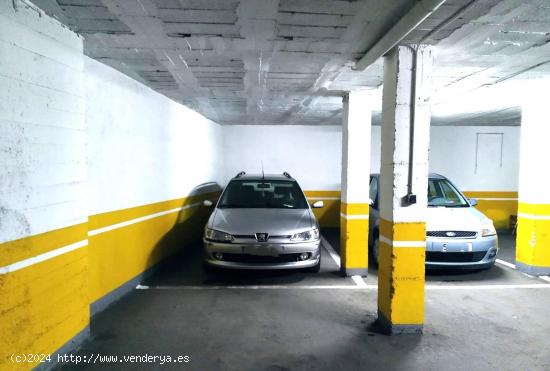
410 21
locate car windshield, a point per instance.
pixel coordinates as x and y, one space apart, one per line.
272 194
443 194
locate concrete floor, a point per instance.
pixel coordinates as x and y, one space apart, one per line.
286 324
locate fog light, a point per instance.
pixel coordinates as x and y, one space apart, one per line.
304 256
218 256
492 254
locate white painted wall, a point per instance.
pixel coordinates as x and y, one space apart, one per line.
79 138
313 154
310 153
453 154
42 125
143 147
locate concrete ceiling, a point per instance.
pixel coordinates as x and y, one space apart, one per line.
289 61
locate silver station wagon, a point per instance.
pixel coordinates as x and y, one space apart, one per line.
457 234
262 222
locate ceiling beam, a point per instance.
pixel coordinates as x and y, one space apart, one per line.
414 17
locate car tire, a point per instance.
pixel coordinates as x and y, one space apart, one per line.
316 268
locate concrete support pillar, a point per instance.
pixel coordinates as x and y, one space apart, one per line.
354 211
533 234
403 189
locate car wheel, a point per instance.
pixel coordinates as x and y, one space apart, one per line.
316 268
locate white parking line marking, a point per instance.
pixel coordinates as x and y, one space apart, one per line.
506 264
331 251
344 287
545 278
359 281
513 266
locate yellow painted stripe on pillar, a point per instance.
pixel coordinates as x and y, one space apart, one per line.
534 209
28 247
354 209
354 237
533 242
401 278
398 231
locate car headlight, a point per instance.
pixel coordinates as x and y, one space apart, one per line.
214 235
488 229
310 235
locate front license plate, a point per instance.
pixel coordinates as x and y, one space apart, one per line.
261 250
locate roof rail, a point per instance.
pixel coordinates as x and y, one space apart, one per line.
240 174
287 175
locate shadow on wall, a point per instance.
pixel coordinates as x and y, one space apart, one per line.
188 228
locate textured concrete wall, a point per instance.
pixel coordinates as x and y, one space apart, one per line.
148 158
42 126
101 178
44 302
143 147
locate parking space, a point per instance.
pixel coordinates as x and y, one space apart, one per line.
282 320
140 140
186 271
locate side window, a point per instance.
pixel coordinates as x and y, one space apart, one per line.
373 192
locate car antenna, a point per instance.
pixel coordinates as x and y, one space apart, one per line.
263 177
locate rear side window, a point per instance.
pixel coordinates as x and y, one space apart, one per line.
270 194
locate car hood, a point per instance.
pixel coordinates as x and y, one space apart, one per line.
276 222
454 219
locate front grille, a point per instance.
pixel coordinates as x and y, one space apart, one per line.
257 259
457 234
253 237
454 257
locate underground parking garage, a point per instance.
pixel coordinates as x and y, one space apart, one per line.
274 184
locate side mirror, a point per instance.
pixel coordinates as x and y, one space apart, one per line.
318 204
473 201
207 203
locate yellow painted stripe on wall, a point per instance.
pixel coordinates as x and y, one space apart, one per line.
43 306
320 194
499 208
491 194
118 216
119 255
398 231
354 209
534 209
329 215
28 247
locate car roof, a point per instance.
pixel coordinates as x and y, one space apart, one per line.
431 175
263 177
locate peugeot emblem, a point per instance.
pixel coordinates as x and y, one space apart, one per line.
450 234
262 237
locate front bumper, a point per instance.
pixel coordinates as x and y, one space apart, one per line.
457 253
270 255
